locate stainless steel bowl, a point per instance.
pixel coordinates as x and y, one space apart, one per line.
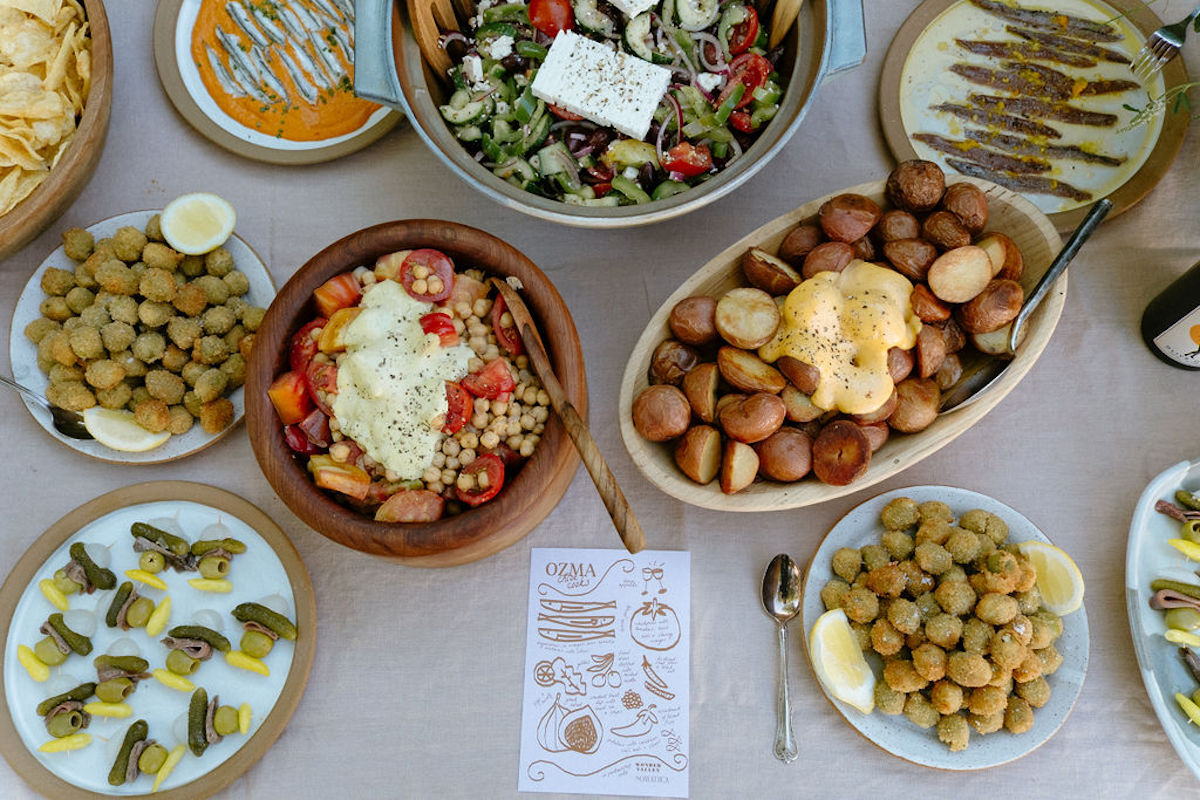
827 38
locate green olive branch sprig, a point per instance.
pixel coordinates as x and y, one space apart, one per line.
1175 97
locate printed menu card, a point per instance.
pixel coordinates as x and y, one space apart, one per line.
607 663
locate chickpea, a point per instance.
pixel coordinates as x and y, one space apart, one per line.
462 309
431 475
468 440
514 442
499 408
484 480
482 405
543 399
522 362
451 447
448 477
439 460
474 365
466 482
420 272
541 414
436 285
514 428
479 421
527 422
488 440
420 286
526 448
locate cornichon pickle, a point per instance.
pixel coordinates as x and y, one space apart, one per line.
98 576
197 711
114 608
81 692
136 733
228 545
202 633
1187 500
170 541
256 612
123 663
1178 586
76 641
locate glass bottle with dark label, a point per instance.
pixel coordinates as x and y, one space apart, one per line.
1171 322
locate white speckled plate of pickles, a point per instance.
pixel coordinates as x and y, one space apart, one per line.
257 695
1150 557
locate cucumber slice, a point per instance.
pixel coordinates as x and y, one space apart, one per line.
591 19
469 113
639 40
696 15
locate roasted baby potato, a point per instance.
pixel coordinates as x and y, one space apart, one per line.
841 453
661 412
880 414
916 186
671 361
799 242
896 224
848 217
827 257
693 321
863 249
996 306
803 376
799 406
950 371
753 418
739 467
877 434
959 274
967 202
927 307
900 363
1006 258
700 388
931 350
910 257
698 453
743 370
771 274
747 318
945 230
917 407
785 455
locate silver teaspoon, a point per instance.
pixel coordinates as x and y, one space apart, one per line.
781 601
68 423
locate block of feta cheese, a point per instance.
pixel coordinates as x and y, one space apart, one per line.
631 8
598 83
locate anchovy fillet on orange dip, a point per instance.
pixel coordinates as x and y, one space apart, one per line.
45 75
282 68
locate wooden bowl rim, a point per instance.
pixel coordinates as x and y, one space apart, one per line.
74 170
453 540
770 496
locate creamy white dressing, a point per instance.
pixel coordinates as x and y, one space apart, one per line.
392 380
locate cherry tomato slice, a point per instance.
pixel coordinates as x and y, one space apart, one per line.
688 159
298 441
438 275
551 16
316 427
602 189
303 346
506 335
744 33
321 377
485 469
749 69
562 113
491 381
411 505
340 291
459 408
443 326
289 396
740 120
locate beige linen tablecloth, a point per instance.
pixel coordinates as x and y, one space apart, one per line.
416 687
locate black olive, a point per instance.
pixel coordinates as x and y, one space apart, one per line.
514 62
457 49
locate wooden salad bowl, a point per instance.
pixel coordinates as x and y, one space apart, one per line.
1009 213
477 533
74 169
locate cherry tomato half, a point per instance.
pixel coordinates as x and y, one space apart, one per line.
488 472
562 113
506 335
434 278
321 377
551 16
340 291
740 121
744 33
688 159
749 69
298 441
289 396
459 407
491 381
443 326
303 346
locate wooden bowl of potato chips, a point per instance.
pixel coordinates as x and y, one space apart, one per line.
55 96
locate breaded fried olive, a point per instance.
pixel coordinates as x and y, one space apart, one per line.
61 372
218 262
904 616
833 593
898 543
217 415
237 305
56 309
252 317
935 531
986 700
955 573
234 368
154 314
928 606
86 342
929 661
918 580
1018 716
40 328
190 300
154 233
104 374
246 345
160 256
1044 632
1051 659
862 635
901 676
969 670
962 545
211 385
935 511
85 273
148 347
79 298
985 724
214 289
128 242
116 397
900 514
885 639
123 309
210 350
996 609
192 266
932 558
165 386
955 597
174 359
233 336
71 395
192 371
861 604
919 711
57 282
192 404
976 636
944 630
179 421
152 415
1036 692
78 243
138 395
134 368
846 563
95 316
116 277
887 580
888 700
157 284
218 320
183 331
57 346
946 697
874 556
237 283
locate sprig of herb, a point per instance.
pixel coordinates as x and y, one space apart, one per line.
1175 97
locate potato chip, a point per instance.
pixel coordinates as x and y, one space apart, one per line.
44 10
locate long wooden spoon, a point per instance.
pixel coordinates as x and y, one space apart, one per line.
785 15
614 499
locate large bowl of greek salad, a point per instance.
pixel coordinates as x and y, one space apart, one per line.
608 113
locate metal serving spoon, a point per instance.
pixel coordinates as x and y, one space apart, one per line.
68 423
781 601
974 383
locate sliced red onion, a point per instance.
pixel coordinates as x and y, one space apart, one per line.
679 177
452 36
707 38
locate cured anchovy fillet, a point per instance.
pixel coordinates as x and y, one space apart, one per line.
346 7
326 57
972 151
345 38
1030 106
1037 80
306 18
230 86
241 18
268 26
1052 21
268 75
1005 121
1024 51
240 62
1034 184
309 67
291 23
1025 147
326 8
306 89
1069 45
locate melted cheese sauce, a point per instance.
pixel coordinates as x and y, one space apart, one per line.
392 381
844 323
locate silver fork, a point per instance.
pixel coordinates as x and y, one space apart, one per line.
1162 46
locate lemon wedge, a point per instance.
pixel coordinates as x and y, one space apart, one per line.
1058 579
116 429
196 223
839 663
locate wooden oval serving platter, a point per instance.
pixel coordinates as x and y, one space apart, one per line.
1009 213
